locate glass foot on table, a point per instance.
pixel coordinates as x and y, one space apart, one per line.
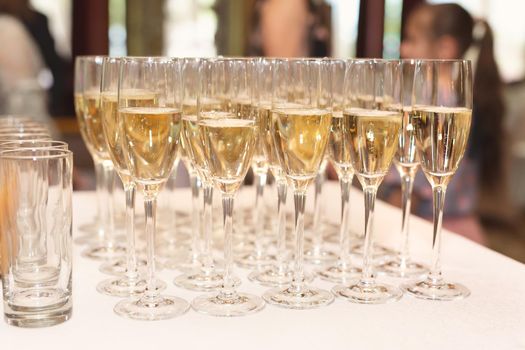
228 305
275 277
123 287
436 290
339 273
368 293
319 256
119 267
396 268
202 281
152 308
302 298
254 260
104 252
380 252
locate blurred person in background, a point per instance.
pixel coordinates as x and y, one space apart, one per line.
447 31
291 28
54 75
20 66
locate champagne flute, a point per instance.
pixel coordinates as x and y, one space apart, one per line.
373 130
442 107
203 274
406 163
301 129
229 143
129 283
89 72
339 152
245 107
279 272
150 140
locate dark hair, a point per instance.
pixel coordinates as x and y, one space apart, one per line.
20 9
489 108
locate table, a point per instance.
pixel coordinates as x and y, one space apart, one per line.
493 317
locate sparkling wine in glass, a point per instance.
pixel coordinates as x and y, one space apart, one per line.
228 146
150 140
442 106
88 74
407 164
373 134
300 131
339 150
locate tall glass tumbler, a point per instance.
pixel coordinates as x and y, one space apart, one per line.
35 211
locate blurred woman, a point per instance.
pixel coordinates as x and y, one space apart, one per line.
291 28
447 31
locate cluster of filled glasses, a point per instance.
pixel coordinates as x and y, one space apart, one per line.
290 117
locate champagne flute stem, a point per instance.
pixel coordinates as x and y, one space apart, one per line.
100 188
207 227
298 273
150 208
370 198
407 184
229 283
131 253
107 208
317 234
438 198
195 215
281 222
344 237
260 182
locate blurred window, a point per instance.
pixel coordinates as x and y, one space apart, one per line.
117 28
392 30
189 28
58 14
345 16
506 19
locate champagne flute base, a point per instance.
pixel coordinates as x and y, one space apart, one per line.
119 267
367 292
380 252
302 298
104 252
124 287
436 290
202 281
152 308
339 273
319 256
255 260
228 305
396 268
276 277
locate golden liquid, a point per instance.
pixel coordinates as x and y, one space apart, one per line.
93 124
79 111
110 121
228 150
339 145
244 109
374 137
406 155
193 147
441 136
151 138
264 122
300 137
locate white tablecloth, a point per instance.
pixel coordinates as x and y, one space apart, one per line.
493 317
